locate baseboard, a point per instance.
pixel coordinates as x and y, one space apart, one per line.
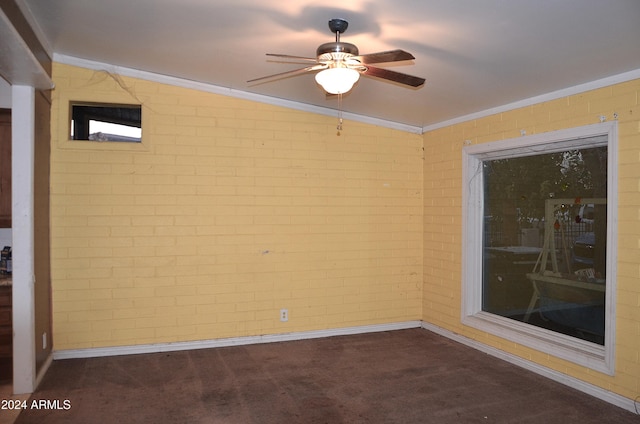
234 341
43 370
590 389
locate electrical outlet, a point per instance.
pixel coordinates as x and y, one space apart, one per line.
284 315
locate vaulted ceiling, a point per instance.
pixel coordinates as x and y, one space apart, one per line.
474 54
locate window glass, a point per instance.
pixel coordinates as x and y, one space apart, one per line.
545 240
106 122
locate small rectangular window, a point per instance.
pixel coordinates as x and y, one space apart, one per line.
106 122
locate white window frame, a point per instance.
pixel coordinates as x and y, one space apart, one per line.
591 355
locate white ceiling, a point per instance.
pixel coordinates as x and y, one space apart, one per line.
475 54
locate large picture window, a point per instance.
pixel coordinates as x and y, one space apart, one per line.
539 260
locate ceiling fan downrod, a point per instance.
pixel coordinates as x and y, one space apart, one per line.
337 26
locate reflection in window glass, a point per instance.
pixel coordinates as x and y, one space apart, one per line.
106 122
545 240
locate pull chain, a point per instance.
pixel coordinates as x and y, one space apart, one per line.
339 127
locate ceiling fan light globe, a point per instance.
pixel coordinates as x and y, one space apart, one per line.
337 80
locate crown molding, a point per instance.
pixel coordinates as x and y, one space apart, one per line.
226 91
570 91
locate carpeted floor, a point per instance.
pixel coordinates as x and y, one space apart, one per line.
405 376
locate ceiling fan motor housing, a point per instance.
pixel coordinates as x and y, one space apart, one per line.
336 50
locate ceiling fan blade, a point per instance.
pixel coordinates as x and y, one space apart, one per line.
291 73
383 57
398 77
288 56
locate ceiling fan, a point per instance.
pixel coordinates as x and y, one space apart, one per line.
341 65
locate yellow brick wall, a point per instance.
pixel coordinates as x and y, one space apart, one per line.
232 210
443 214
229 211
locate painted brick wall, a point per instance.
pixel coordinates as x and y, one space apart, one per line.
228 212
443 213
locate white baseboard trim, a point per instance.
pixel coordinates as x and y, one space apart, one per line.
233 341
590 389
43 370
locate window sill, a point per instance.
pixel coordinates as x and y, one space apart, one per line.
591 355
